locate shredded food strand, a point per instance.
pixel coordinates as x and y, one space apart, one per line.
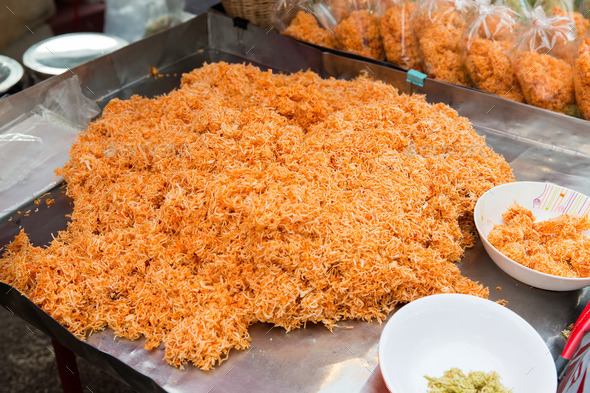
490 68
399 42
556 246
247 196
360 34
439 39
305 27
582 23
546 81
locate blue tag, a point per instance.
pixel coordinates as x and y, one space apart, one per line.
416 77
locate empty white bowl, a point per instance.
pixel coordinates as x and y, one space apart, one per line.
431 335
545 201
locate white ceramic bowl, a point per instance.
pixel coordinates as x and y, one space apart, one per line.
546 201
431 335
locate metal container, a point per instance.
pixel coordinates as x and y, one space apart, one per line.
61 53
11 73
539 145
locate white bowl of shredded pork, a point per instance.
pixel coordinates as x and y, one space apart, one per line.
459 343
538 233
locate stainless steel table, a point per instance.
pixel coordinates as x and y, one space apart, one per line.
538 144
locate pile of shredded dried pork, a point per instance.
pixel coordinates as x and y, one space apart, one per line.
249 196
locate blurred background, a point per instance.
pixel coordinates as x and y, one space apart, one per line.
27 22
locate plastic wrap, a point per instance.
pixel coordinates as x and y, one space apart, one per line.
299 19
439 26
37 143
133 20
349 25
487 42
582 23
582 76
399 43
285 11
542 59
360 32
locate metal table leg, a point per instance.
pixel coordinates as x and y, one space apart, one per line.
67 368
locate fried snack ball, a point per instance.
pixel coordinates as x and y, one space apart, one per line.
439 37
305 27
546 81
360 34
490 68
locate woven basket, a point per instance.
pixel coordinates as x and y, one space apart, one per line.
255 11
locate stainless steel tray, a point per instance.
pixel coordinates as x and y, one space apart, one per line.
539 145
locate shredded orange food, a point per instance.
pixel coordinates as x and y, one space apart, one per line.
360 34
582 24
439 35
558 38
400 44
249 196
498 24
490 68
557 246
339 8
546 81
582 77
305 27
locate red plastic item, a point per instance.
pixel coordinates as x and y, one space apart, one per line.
581 326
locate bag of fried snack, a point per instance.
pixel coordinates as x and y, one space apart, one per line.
582 24
542 59
582 75
359 32
399 43
439 26
307 21
487 42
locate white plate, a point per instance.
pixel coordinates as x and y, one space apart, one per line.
431 335
546 201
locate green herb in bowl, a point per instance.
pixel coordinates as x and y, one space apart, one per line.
456 381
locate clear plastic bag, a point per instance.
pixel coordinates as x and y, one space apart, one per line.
439 26
285 11
360 31
487 42
582 24
542 60
399 42
308 21
133 20
348 25
36 144
582 75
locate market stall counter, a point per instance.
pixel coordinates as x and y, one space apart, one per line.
539 145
